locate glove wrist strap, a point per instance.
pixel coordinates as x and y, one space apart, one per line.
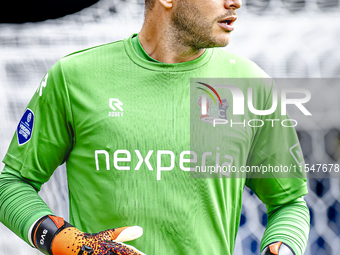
277 248
45 230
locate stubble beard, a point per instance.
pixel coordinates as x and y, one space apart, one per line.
191 29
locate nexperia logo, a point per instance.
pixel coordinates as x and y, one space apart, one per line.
238 103
102 159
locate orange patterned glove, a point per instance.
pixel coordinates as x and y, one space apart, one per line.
54 236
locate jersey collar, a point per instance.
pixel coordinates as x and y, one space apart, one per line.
159 66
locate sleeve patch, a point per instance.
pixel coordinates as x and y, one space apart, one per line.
25 127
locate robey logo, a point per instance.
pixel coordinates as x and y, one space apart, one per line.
116 105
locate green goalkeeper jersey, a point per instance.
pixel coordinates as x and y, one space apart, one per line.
127 128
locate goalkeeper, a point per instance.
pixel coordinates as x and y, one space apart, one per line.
119 116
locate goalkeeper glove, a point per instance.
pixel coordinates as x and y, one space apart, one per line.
54 236
277 248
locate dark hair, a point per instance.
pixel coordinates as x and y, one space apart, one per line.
149 4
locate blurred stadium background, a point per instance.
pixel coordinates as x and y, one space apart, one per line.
287 38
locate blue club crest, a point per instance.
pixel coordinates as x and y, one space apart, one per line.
25 127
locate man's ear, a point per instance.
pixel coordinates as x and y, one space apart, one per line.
168 4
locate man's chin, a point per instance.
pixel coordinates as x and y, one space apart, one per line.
212 42
225 40
224 44
221 40
220 43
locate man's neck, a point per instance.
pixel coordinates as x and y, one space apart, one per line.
160 43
